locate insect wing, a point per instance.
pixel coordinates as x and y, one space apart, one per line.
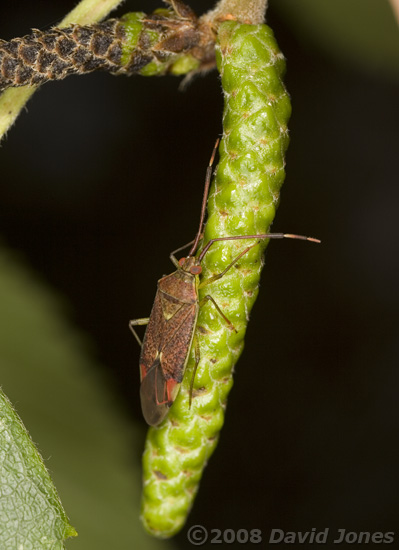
166 347
157 394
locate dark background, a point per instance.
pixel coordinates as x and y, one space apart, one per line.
103 177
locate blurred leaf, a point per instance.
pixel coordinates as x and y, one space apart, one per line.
95 451
361 32
31 514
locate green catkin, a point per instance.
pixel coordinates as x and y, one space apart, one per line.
242 201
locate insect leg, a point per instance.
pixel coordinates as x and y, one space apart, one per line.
136 322
219 275
208 298
197 360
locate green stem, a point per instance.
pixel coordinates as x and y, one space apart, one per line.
243 201
12 101
89 11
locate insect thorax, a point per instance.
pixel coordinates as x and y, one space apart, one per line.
180 285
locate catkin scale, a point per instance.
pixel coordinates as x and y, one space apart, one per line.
243 200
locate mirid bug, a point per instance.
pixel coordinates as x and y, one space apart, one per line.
171 325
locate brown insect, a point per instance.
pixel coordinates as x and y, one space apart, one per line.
171 325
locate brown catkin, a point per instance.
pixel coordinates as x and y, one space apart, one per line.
57 53
169 40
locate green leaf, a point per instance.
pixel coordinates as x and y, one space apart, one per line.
31 514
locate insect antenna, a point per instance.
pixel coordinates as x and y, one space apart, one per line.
204 199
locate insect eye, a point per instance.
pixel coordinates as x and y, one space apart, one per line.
181 261
196 270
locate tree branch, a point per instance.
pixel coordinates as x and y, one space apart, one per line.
251 12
